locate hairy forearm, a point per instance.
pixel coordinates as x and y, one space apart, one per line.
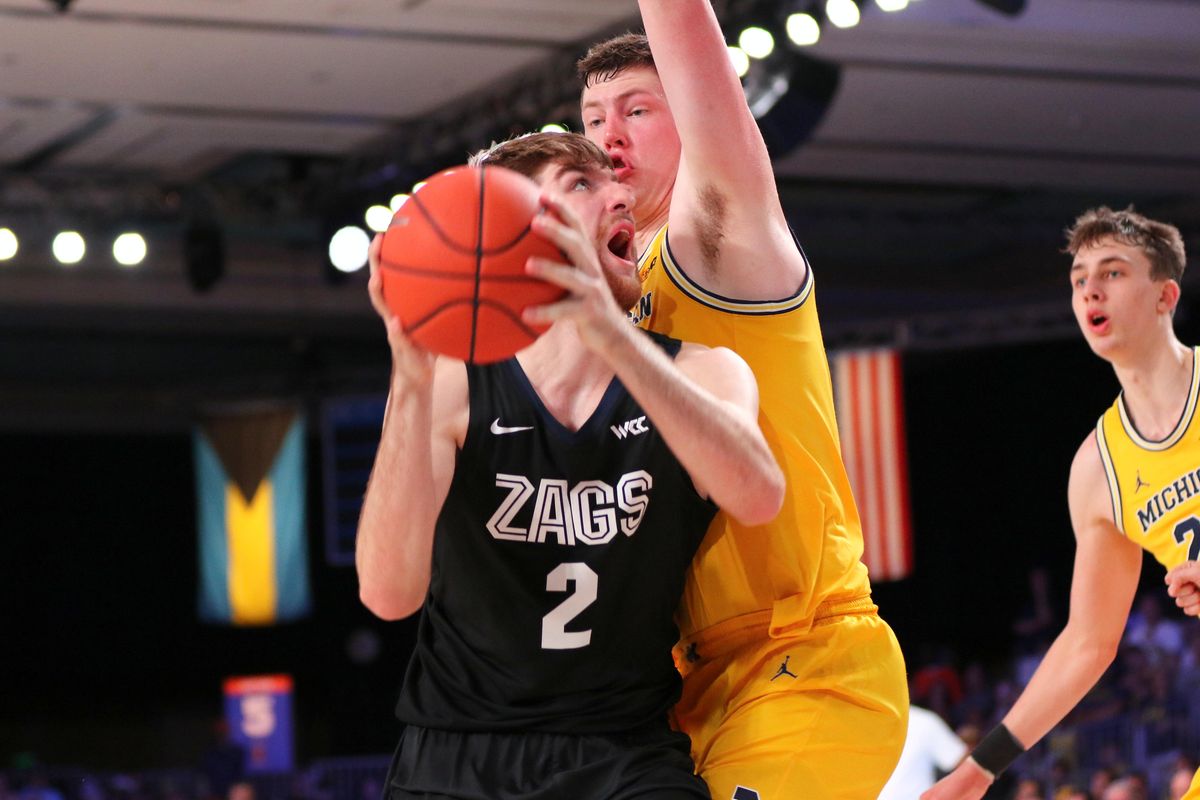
719 445
395 529
1072 666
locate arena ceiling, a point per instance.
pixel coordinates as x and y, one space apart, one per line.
958 143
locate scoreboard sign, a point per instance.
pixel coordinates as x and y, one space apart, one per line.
258 710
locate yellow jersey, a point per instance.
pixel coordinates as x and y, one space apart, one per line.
808 560
1155 486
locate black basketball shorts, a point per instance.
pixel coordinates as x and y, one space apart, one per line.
438 765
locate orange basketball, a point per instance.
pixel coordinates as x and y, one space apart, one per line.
453 263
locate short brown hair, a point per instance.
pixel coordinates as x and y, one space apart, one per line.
1161 242
604 60
527 154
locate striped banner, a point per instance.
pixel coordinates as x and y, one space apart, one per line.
870 411
251 517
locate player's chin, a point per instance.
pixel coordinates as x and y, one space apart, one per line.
626 288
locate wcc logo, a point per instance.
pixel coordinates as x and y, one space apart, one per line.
630 427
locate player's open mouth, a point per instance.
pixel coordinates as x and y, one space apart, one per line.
620 244
1098 322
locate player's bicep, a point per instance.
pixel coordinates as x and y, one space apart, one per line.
1107 563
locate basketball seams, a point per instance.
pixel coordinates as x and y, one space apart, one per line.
435 274
468 249
485 303
478 264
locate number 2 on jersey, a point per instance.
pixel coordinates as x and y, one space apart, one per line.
555 635
1189 527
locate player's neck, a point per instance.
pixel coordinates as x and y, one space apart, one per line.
648 226
1156 384
568 377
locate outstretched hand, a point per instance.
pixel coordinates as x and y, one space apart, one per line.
1183 584
968 781
410 363
589 302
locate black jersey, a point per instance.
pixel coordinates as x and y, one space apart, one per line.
558 563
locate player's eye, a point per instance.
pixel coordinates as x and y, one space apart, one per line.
637 112
581 185
595 122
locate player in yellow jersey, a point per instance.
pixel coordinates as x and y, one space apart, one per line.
794 688
1135 481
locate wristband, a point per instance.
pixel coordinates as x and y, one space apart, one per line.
997 750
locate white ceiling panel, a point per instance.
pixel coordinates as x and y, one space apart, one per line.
1014 113
164 141
534 20
243 70
25 129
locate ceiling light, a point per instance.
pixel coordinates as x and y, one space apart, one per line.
741 61
842 13
68 247
757 42
129 249
803 29
348 249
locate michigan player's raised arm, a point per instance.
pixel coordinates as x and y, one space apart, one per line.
1107 568
725 190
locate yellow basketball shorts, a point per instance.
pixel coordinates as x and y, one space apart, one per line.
820 715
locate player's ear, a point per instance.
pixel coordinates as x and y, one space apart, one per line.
1168 296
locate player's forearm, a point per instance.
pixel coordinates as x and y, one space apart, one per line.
700 84
721 448
394 547
1072 666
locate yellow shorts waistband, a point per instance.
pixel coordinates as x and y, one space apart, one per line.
732 633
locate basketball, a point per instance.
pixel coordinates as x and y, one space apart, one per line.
453 264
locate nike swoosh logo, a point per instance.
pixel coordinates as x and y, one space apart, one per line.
499 429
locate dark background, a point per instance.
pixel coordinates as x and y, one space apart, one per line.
107 666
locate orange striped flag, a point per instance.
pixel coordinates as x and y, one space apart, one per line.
870 412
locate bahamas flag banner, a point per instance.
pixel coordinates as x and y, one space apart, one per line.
250 492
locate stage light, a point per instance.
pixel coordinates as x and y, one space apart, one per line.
756 42
554 127
379 218
842 13
8 244
348 249
129 249
892 5
68 247
803 29
741 61
397 201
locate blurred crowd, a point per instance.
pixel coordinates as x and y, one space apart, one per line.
1136 736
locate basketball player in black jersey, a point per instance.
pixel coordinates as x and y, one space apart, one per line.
541 512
